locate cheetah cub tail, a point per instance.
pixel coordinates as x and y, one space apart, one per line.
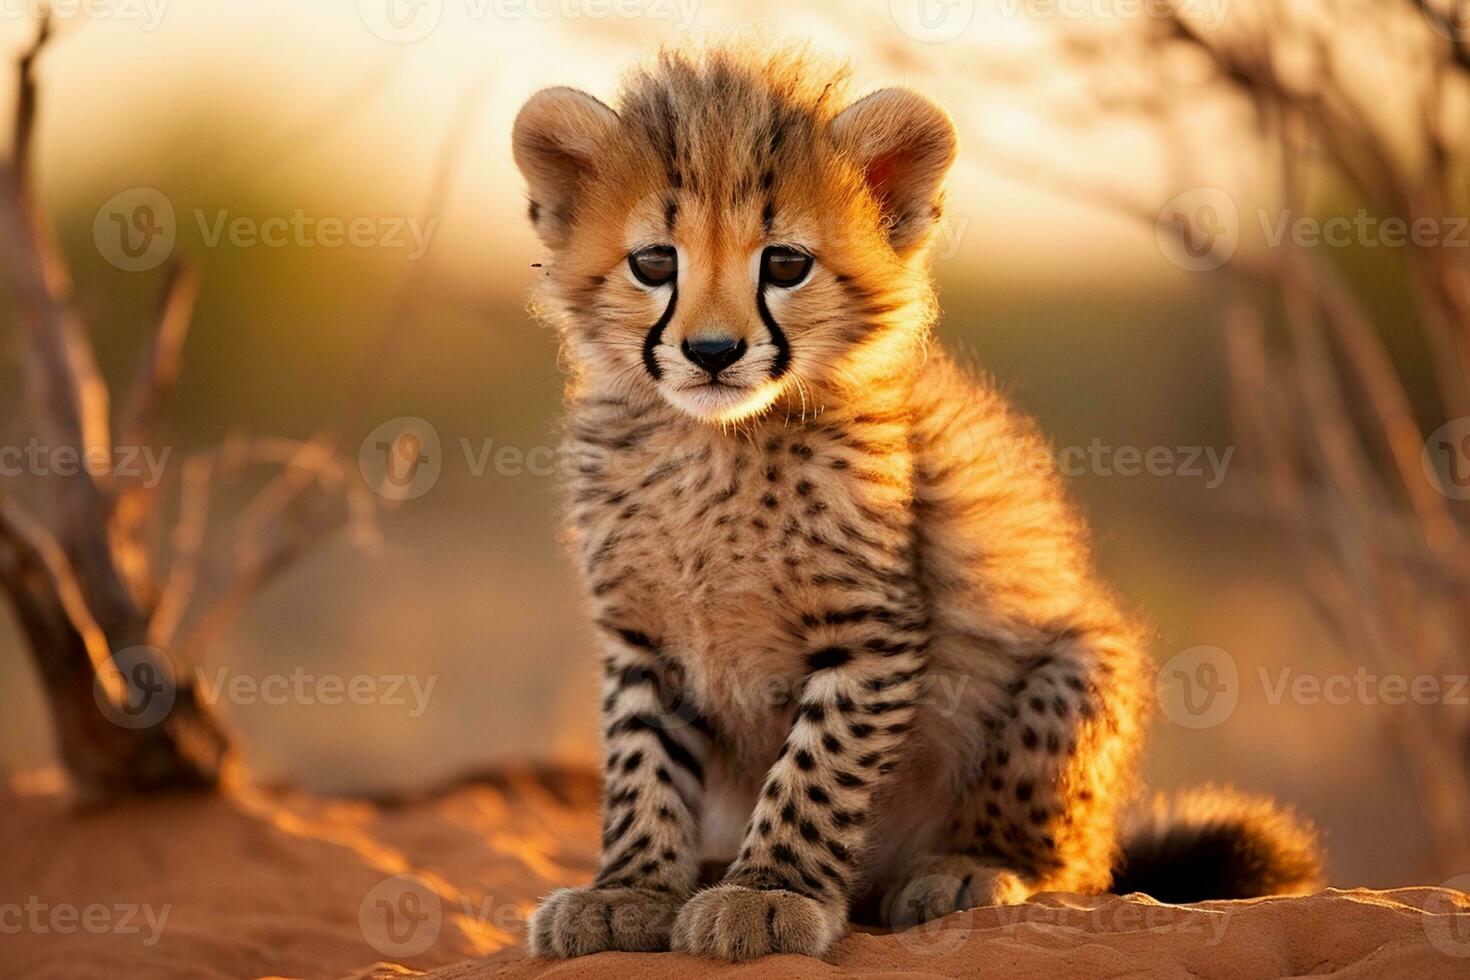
1215 843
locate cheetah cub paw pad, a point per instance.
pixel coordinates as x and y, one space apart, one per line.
582 921
730 922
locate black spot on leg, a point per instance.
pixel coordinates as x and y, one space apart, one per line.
1024 789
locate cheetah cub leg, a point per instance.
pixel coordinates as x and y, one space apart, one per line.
1043 815
788 890
652 785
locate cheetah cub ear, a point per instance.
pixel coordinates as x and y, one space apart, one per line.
557 136
905 145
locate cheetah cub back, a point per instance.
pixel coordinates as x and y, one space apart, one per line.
852 646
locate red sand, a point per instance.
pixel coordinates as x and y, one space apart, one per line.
287 884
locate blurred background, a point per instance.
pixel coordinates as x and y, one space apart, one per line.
1057 272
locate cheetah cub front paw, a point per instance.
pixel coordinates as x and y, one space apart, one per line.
582 921
730 922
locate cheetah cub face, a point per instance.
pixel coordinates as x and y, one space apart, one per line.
727 239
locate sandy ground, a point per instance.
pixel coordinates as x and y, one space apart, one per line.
269 883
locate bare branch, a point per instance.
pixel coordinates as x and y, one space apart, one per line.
31 546
25 103
158 369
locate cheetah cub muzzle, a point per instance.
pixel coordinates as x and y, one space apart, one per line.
851 651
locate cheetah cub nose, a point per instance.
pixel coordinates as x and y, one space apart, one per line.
714 354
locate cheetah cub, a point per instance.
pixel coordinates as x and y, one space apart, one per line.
852 647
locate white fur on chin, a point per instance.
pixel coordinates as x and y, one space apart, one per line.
722 403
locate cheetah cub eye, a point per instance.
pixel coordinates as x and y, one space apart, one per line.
785 267
655 265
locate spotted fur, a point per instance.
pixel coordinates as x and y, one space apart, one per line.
852 642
